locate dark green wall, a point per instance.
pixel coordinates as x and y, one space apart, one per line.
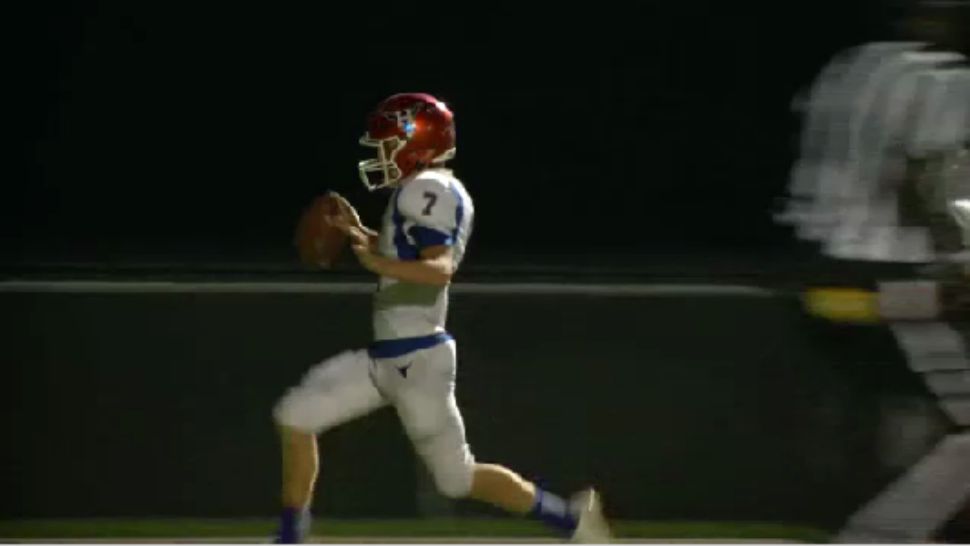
686 407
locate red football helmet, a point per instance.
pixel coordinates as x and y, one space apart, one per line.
411 131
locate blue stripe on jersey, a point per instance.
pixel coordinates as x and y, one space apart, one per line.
405 250
426 237
459 211
391 348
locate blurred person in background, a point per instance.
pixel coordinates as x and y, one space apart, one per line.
884 126
883 175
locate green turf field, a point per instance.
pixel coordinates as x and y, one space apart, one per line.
361 528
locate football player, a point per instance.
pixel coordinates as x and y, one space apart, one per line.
411 362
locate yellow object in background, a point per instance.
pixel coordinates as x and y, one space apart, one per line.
852 305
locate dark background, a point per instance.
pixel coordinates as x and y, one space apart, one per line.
194 134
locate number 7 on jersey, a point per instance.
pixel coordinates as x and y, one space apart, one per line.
432 199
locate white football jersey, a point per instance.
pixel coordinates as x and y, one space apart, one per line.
432 208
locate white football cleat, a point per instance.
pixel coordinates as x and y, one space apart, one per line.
591 527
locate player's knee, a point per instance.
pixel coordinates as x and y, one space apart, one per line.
319 401
454 485
454 480
282 414
287 413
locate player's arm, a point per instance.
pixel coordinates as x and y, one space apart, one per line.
435 266
430 210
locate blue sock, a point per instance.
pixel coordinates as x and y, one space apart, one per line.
554 511
294 525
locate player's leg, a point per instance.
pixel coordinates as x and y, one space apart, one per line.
333 392
425 401
300 464
581 516
457 475
501 487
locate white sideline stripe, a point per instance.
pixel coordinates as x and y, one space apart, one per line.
160 287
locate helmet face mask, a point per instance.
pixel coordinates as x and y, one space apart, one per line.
384 164
409 132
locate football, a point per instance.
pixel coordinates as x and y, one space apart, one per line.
319 244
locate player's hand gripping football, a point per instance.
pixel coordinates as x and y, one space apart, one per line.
348 221
360 244
325 228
